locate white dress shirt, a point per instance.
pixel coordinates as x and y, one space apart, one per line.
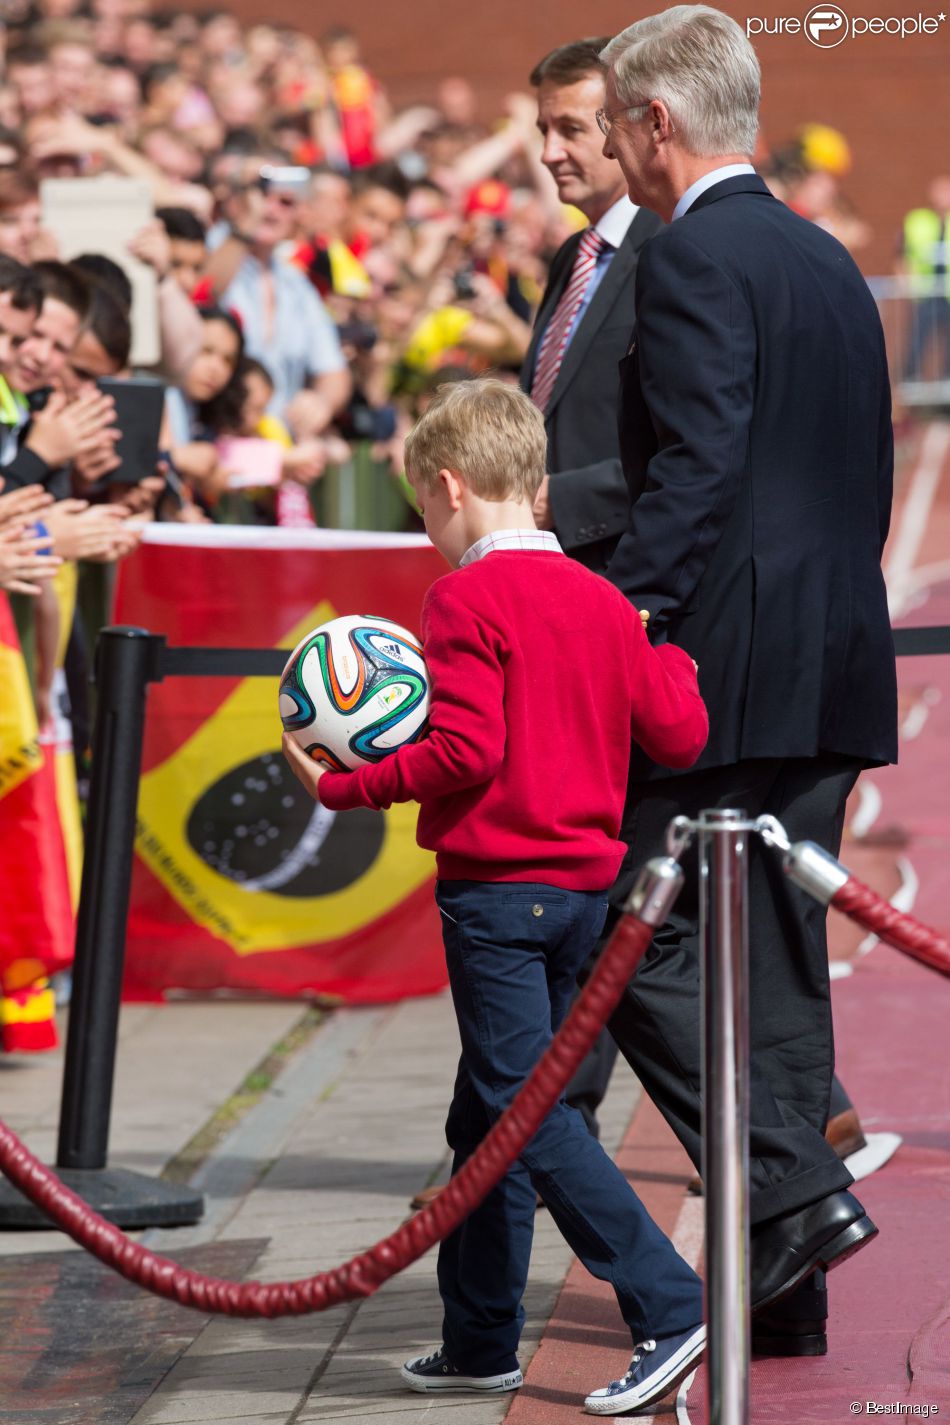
511 539
729 170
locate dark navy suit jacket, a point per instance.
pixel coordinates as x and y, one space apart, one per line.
756 441
589 498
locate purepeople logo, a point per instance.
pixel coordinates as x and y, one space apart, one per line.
828 25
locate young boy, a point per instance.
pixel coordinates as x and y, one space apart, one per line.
540 671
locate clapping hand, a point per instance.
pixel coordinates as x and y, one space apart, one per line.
18 504
96 532
26 559
66 430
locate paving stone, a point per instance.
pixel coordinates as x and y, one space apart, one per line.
322 1168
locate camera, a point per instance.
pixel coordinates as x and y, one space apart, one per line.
290 181
361 335
463 285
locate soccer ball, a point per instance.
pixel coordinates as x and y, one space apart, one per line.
354 690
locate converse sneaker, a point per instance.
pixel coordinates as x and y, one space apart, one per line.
436 1372
657 1367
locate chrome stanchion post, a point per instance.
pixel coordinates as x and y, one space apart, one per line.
723 843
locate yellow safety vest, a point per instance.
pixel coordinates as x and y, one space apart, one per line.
13 406
925 233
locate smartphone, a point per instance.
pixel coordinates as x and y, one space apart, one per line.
463 285
293 181
139 405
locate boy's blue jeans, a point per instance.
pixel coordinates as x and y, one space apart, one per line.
513 951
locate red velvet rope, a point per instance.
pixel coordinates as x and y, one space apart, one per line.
364 1274
860 903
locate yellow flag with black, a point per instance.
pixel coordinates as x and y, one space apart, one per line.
242 881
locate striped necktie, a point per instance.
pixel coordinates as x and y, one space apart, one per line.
554 343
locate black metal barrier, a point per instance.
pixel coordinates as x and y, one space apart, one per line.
127 660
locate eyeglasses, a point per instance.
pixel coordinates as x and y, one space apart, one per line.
605 120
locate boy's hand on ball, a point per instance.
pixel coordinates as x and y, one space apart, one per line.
307 772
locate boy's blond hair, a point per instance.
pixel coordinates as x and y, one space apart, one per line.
487 431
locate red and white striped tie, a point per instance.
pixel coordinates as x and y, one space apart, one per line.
554 341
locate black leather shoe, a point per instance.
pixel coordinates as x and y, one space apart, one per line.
797 1326
786 1249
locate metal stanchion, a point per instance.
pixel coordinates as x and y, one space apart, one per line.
723 842
127 660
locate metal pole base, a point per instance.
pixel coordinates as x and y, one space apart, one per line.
119 1195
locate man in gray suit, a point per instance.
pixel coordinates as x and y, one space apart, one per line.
584 323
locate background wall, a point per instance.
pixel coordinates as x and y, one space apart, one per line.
890 97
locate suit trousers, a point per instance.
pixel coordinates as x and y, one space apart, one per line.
657 1023
513 950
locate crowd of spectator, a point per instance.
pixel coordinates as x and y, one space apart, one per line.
320 259
310 265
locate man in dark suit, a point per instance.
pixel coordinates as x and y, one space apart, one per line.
756 441
585 499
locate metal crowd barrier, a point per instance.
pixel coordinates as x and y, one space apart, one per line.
362 493
915 314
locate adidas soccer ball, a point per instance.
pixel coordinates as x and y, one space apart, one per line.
354 690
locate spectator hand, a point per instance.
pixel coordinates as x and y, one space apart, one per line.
198 464
97 460
522 110
488 298
309 414
190 513
152 246
336 448
65 429
70 134
305 462
18 504
142 498
84 531
25 559
305 769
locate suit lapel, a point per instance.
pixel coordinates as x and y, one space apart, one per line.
615 279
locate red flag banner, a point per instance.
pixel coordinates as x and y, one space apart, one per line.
241 880
36 923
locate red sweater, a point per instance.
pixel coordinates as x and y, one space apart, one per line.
540 672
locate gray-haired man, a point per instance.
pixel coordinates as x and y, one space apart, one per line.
756 440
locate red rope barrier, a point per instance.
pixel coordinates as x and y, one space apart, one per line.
364 1274
861 904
